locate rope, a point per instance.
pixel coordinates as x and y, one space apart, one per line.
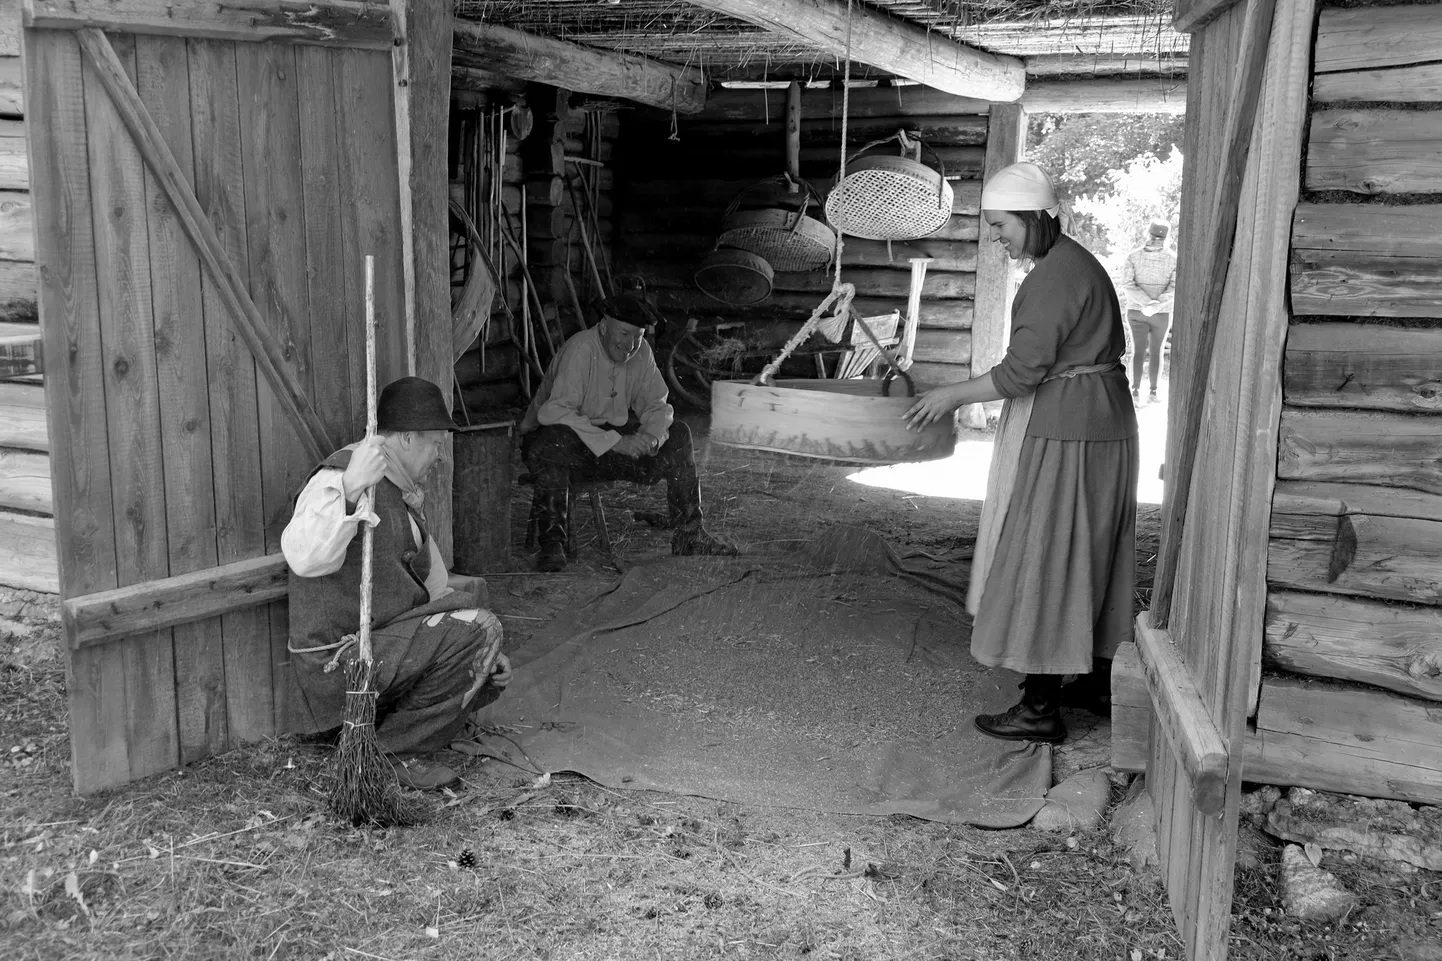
841 293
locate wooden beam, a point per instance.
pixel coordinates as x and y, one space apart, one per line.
1360 741
28 557
150 606
1364 366
342 23
1189 16
1236 147
17 226
1183 717
1375 38
22 417
571 66
423 102
1107 95
1386 645
888 43
25 481
1369 541
249 324
1360 447
1369 151
995 276
12 94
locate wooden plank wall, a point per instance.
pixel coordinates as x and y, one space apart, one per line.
27 543
673 194
1355 560
171 456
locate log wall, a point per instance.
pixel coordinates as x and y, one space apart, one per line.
672 195
561 166
27 536
1352 654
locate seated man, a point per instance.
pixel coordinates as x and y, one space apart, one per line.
437 650
580 426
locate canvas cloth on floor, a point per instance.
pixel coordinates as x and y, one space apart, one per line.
835 679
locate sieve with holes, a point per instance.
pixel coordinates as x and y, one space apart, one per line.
789 240
890 198
738 278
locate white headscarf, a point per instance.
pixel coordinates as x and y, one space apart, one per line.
1022 186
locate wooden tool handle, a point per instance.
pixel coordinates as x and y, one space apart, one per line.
366 501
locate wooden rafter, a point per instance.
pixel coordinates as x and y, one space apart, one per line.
897 46
249 323
571 66
343 23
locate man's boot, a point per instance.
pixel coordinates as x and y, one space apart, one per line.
683 501
1036 718
552 529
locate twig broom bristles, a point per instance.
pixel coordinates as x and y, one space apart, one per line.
366 790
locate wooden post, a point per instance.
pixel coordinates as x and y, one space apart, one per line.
483 498
1186 418
422 99
793 134
913 309
995 284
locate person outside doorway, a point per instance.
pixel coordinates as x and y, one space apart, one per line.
1149 282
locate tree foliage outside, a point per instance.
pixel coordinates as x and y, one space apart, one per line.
1118 171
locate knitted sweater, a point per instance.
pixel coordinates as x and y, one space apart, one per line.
1065 315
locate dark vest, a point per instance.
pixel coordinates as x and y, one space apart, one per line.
325 609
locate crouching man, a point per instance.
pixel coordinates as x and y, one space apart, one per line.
601 414
437 649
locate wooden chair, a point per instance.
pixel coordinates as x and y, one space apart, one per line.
591 489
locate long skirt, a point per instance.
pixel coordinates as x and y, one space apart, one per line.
1060 589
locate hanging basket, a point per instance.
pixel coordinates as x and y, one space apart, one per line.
790 240
737 278
890 198
843 420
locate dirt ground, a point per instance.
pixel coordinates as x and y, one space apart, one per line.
235 857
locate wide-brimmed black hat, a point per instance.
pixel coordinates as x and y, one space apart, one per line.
413 403
628 309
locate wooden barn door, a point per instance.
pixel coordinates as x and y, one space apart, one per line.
1200 645
207 182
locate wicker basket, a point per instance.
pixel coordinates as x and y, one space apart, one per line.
784 235
738 278
788 241
889 198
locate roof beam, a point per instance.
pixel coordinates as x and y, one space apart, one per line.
571 66
897 46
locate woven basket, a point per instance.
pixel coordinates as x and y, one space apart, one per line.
889 198
738 278
789 241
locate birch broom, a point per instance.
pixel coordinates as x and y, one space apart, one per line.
366 790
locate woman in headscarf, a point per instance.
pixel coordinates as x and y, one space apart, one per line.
1052 576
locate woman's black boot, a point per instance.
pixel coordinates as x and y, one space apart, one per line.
1036 718
1091 692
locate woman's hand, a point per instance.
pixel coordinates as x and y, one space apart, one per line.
933 405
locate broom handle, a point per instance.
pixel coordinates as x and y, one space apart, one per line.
367 498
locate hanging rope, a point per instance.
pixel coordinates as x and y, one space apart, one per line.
841 294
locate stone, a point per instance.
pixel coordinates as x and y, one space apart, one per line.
1076 804
1373 827
1308 892
1256 804
1134 826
